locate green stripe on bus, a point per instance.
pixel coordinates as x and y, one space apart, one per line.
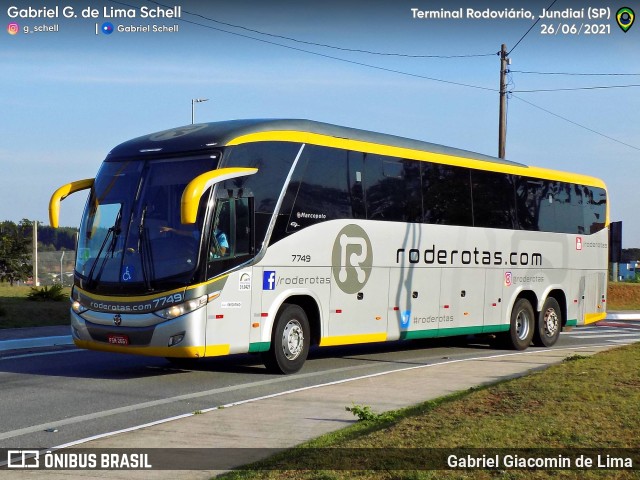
259 347
450 332
572 323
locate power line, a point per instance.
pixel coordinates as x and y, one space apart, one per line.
603 87
324 45
576 123
530 28
578 74
324 55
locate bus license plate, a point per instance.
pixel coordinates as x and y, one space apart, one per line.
118 339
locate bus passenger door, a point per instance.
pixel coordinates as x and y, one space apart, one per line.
230 244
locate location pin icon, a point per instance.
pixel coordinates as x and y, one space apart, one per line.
625 17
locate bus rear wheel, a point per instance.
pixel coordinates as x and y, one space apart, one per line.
290 341
522 325
549 324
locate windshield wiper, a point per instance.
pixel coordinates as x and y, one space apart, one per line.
113 232
144 250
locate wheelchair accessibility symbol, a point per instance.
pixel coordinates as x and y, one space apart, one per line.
127 273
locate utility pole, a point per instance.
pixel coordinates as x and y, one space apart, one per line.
502 122
34 258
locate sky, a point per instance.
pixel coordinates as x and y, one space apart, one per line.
69 96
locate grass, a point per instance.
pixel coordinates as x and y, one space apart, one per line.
18 312
623 296
585 403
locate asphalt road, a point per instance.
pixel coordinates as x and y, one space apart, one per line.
55 396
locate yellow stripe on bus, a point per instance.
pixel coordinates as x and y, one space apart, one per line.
594 317
381 149
353 339
175 352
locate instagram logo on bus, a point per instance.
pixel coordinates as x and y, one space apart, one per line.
13 28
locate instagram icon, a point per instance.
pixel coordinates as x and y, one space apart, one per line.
13 28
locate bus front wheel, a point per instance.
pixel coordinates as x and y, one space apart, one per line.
549 324
290 341
522 325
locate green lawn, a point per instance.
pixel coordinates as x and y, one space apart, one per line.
18 312
582 403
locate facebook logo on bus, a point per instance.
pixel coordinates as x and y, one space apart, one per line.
269 280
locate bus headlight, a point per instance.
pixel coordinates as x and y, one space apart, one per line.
182 308
77 307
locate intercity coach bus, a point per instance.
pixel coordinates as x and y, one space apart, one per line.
274 235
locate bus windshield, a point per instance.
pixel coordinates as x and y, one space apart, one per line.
131 233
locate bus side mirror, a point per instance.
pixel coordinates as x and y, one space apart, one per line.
62 193
196 187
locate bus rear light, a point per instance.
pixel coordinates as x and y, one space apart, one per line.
395 309
378 317
219 316
264 314
494 304
466 314
446 306
338 311
255 324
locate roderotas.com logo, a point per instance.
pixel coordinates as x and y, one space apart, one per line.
352 258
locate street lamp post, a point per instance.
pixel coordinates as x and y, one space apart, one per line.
193 107
61 279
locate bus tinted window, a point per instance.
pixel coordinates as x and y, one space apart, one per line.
595 210
392 189
493 199
273 161
446 191
529 195
560 207
323 193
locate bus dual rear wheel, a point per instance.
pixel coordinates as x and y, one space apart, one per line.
549 324
522 325
290 341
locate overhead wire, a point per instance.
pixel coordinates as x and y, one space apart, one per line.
578 74
510 93
324 45
576 123
530 28
324 55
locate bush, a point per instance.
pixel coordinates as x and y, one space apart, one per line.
45 294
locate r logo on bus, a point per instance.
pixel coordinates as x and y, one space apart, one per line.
351 259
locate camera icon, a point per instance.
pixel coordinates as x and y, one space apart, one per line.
13 28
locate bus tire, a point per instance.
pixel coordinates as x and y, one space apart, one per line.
522 325
549 324
290 341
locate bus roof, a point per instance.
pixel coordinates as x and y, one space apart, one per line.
202 137
205 136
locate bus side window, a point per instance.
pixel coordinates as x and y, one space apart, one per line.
494 201
323 193
446 195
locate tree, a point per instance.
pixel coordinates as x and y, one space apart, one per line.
15 258
630 255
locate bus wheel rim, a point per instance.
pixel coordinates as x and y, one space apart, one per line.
522 325
550 322
292 340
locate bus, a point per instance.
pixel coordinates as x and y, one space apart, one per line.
272 236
